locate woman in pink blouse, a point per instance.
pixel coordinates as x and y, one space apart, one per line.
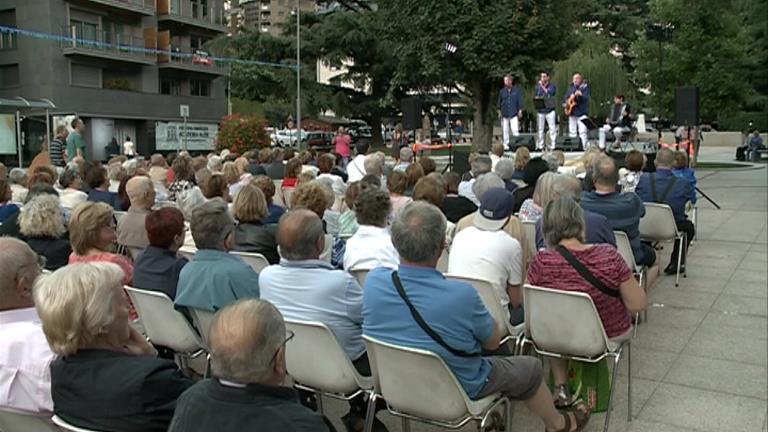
563 226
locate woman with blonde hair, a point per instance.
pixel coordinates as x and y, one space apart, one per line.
522 157
532 208
41 224
92 234
251 234
106 376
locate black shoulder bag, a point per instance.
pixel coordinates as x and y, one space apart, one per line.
586 274
424 326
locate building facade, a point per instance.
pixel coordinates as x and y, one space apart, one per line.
102 66
266 15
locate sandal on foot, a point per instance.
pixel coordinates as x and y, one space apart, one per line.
562 398
581 417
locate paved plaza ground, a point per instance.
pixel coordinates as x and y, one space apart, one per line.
700 362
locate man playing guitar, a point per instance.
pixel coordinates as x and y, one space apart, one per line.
546 90
620 121
576 103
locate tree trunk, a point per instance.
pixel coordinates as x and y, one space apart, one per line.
482 134
375 122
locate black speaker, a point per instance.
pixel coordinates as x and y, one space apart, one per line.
411 108
524 140
566 143
687 106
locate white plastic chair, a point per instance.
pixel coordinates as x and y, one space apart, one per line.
164 325
118 215
693 210
640 271
64 425
17 422
287 193
418 385
134 251
317 363
278 198
257 261
442 262
529 228
566 325
658 225
327 253
360 275
203 320
492 302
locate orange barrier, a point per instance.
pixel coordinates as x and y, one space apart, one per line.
418 148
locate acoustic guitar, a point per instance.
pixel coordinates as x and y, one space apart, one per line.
571 103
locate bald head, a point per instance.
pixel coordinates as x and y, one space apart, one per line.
18 272
665 158
141 192
244 339
604 172
300 235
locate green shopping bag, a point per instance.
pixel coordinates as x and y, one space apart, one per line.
590 382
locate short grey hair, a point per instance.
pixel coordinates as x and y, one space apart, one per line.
552 162
244 338
563 219
114 170
406 154
664 158
568 185
211 224
485 182
481 165
373 164
215 163
604 171
298 241
418 232
505 168
18 176
15 256
68 176
42 217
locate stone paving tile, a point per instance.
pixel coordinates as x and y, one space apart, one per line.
728 343
740 305
719 375
747 289
749 326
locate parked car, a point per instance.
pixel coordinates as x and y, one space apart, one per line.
287 137
318 139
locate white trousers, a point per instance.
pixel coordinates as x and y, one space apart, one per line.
617 132
550 119
509 124
577 128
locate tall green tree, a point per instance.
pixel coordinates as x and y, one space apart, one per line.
708 50
494 37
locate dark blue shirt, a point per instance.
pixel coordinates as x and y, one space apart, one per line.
7 210
623 211
598 230
107 197
582 102
550 91
510 101
677 196
158 269
275 211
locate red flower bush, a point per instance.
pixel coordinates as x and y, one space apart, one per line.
240 134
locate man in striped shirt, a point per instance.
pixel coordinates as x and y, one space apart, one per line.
58 146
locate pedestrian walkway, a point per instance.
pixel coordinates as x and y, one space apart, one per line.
700 363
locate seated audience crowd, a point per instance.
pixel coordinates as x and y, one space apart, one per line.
353 241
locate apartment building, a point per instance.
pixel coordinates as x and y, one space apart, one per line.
266 15
102 66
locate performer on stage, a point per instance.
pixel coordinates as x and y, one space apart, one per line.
576 103
620 121
546 90
510 108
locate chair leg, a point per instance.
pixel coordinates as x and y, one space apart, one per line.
614 375
637 324
508 416
629 381
406 424
370 412
679 261
319 399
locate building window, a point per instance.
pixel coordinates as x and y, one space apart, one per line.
170 87
8 19
9 75
83 30
86 76
200 87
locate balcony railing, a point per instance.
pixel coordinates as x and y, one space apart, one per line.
105 42
196 11
196 60
7 41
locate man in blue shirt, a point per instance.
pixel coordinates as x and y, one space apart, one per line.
623 210
453 310
666 188
305 288
214 278
546 90
510 106
580 92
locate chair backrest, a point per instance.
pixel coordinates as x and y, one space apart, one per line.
278 198
118 215
442 262
415 381
490 298
135 251
287 192
360 275
186 253
17 422
625 249
529 228
563 322
203 320
328 250
64 425
315 359
658 224
163 324
257 261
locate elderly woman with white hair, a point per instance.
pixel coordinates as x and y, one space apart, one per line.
107 376
505 168
18 179
41 224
